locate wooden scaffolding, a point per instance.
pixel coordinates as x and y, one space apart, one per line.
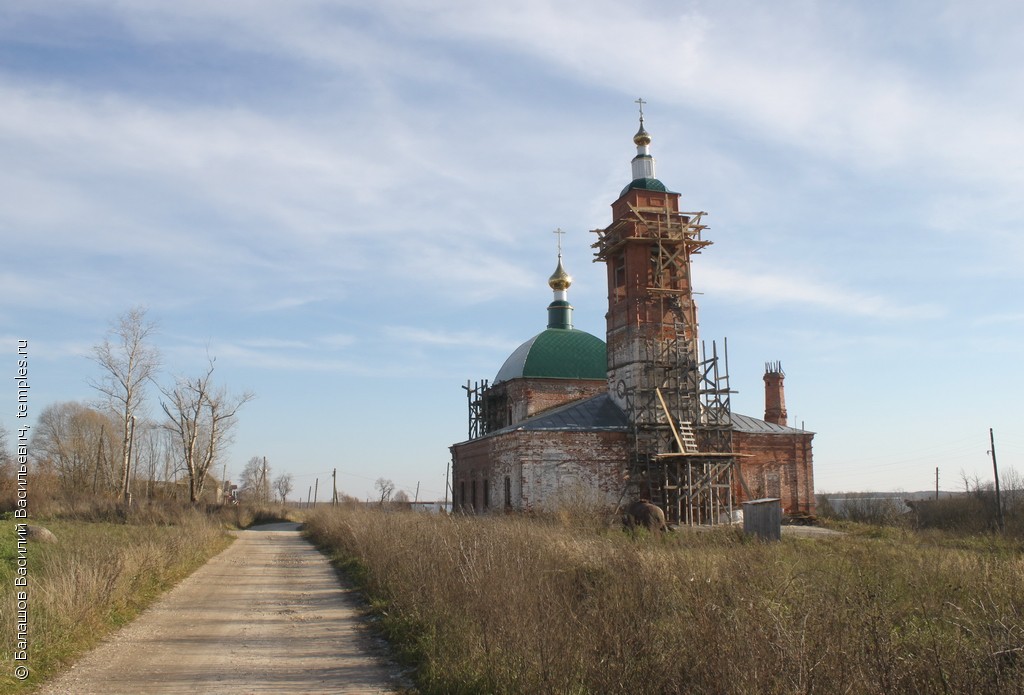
677 392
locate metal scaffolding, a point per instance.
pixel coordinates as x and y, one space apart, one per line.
677 393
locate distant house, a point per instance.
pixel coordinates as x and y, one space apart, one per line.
435 507
213 491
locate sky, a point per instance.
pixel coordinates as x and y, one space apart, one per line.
351 205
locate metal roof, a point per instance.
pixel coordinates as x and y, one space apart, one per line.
557 353
745 423
600 414
595 414
647 184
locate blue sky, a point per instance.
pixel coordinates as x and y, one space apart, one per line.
350 206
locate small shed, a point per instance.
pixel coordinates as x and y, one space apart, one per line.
763 518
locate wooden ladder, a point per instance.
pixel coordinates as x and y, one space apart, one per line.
683 433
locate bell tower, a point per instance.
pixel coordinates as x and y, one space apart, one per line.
673 392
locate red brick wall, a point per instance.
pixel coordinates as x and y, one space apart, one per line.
533 396
778 465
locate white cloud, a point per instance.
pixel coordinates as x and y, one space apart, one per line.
442 338
791 290
118 176
244 164
462 269
826 84
263 355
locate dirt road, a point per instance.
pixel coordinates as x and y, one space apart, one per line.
267 615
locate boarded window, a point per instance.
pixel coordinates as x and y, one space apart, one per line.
619 278
487 493
508 492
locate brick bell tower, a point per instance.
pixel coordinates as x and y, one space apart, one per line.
673 393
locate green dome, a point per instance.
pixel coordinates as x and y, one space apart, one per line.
557 353
646 184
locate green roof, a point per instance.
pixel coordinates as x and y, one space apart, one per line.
646 184
557 353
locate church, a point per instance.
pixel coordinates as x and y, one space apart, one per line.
645 413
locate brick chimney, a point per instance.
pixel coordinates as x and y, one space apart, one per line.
774 394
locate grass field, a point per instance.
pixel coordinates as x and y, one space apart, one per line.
97 576
518 605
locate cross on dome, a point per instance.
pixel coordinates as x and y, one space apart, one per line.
559 232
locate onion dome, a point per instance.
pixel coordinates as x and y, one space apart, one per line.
642 137
560 280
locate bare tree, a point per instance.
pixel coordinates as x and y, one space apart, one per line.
255 481
5 453
129 362
6 461
283 486
201 417
400 500
386 487
76 442
152 445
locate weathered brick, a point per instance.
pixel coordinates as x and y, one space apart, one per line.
543 469
776 465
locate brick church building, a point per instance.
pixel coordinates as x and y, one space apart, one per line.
570 418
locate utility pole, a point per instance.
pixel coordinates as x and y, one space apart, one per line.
309 495
936 483
316 491
334 484
995 470
264 486
417 497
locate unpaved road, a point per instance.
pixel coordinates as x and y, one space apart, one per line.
267 615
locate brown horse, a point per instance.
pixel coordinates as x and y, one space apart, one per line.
642 513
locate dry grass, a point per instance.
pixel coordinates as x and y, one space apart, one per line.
514 605
96 577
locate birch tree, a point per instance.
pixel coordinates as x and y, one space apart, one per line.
129 362
201 416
